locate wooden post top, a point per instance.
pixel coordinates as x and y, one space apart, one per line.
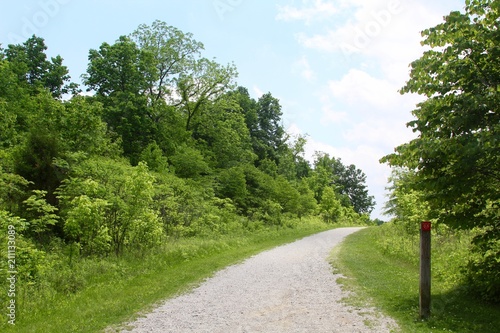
425 226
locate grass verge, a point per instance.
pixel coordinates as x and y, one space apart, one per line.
117 290
390 281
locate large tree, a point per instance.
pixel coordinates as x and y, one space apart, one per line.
115 68
166 53
32 67
206 81
457 152
456 156
348 181
153 80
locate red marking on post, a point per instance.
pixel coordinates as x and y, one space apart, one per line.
426 226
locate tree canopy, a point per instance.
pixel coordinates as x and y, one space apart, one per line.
455 160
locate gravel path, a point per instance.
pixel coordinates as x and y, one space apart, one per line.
290 288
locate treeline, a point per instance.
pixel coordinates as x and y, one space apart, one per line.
162 145
450 174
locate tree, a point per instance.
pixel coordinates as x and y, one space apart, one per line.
348 181
108 205
12 111
32 67
292 163
188 162
456 157
166 53
269 134
406 205
222 135
352 183
205 81
231 183
116 73
42 215
307 204
82 129
330 206
115 68
150 82
34 160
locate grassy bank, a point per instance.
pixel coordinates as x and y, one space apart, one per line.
100 293
381 266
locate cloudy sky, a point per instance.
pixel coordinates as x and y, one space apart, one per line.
335 65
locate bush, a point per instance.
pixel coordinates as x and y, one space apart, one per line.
108 205
483 269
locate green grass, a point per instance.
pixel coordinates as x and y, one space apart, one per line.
110 292
386 276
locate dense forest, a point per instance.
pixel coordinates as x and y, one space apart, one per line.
450 173
159 143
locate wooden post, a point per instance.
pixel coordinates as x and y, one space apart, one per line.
425 270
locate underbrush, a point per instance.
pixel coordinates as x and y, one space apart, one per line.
88 294
450 251
382 266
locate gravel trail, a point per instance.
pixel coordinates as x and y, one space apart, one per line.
288 289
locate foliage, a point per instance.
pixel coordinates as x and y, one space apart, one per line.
456 155
483 269
348 181
406 205
188 162
330 206
167 52
33 70
107 205
222 135
153 156
42 213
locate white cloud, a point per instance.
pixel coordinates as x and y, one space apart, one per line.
294 130
319 10
371 109
383 133
330 115
358 88
388 31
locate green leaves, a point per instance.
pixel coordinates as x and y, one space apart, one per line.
108 205
167 52
115 68
203 82
34 70
348 182
455 158
43 214
167 146
458 123
330 206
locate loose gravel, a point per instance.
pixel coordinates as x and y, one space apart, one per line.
290 288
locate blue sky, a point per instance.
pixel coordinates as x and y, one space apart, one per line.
335 65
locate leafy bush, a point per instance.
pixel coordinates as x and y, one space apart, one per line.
109 205
483 269
330 206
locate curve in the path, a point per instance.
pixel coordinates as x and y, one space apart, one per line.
290 288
